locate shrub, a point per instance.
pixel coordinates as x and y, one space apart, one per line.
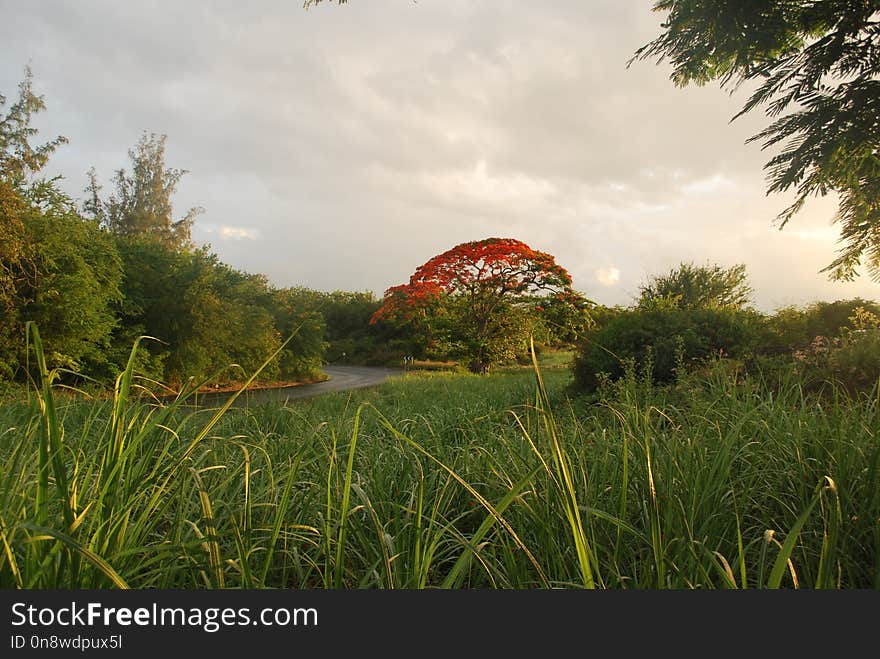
795 328
691 286
667 338
856 363
851 360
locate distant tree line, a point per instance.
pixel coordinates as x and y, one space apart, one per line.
96 277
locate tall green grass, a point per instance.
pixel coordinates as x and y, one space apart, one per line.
445 481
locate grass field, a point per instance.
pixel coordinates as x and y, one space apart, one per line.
448 480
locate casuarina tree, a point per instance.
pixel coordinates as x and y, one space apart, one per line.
141 205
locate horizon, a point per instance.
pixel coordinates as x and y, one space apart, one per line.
374 138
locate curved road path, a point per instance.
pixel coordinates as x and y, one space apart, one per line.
342 378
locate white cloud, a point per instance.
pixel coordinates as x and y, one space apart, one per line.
609 276
494 189
238 233
710 185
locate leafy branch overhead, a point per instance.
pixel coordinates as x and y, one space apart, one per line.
818 60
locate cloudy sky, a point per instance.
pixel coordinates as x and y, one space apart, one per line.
341 147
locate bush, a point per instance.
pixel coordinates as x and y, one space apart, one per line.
851 361
795 328
856 363
663 340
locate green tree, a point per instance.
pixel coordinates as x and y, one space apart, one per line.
67 281
297 315
239 319
817 60
205 315
141 203
13 250
19 159
204 323
19 162
56 269
566 319
350 336
691 286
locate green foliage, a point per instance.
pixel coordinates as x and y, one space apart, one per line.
230 322
697 287
796 327
481 342
19 161
296 315
61 272
451 331
13 250
150 306
478 299
208 317
562 321
350 336
601 315
69 281
817 59
856 362
353 336
661 341
93 287
851 359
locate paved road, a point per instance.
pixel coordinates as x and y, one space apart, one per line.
342 378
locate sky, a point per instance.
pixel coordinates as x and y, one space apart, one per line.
340 147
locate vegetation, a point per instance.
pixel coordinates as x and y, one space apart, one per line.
455 481
55 268
122 267
19 159
141 205
66 277
665 341
694 315
701 444
794 327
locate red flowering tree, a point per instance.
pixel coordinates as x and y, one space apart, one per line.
480 297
